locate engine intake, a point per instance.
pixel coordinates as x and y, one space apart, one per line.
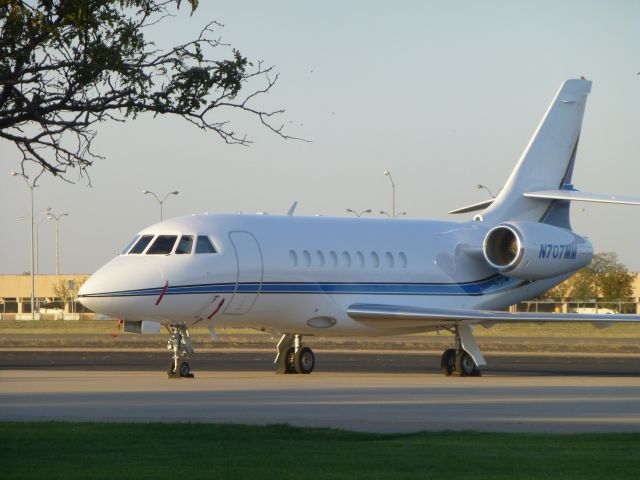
534 251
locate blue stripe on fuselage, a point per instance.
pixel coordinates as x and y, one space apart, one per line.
482 287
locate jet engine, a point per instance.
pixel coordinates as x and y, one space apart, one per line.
535 251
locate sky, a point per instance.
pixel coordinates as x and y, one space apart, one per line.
444 94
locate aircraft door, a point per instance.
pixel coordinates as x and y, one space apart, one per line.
249 273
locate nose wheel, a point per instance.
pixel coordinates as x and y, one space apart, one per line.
180 343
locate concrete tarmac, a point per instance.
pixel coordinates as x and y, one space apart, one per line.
367 391
353 401
345 361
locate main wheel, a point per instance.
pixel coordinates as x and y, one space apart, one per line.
290 361
304 360
468 367
184 369
448 362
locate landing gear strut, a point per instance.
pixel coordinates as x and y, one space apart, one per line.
457 361
292 356
180 343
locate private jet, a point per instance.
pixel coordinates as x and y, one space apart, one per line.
325 276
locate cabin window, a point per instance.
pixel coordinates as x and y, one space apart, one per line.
129 245
334 258
204 245
140 245
293 256
307 258
346 257
185 245
320 257
360 259
403 260
375 259
162 245
388 257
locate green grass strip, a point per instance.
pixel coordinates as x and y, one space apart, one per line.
54 450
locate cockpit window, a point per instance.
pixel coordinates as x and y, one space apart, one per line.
130 244
185 244
139 247
162 245
204 245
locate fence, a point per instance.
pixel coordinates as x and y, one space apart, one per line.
586 306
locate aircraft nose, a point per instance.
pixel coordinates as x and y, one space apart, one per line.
87 295
118 285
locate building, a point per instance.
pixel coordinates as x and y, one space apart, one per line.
55 296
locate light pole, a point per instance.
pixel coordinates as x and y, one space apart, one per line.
387 173
358 214
482 187
33 278
37 262
52 216
46 211
160 202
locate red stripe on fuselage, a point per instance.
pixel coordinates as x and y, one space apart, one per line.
164 289
216 310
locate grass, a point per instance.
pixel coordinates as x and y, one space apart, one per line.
104 327
100 450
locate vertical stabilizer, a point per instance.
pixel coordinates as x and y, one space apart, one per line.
547 162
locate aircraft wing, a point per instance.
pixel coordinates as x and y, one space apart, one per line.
398 316
473 208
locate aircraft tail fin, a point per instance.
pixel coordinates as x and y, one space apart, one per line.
546 163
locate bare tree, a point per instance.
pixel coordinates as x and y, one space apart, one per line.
66 65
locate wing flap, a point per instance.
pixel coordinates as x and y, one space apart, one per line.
576 195
399 316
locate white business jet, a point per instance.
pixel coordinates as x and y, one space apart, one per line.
354 276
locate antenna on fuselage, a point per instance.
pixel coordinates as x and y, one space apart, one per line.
292 209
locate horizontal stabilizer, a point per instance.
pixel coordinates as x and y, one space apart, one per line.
398 316
575 195
473 208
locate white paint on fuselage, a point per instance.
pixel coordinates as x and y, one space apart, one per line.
303 251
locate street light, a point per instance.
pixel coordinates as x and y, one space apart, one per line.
358 214
57 218
382 212
33 278
160 202
482 187
393 193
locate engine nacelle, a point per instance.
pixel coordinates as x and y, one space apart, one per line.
534 251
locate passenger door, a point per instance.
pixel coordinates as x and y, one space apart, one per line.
249 273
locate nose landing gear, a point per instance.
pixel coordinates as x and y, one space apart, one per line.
180 343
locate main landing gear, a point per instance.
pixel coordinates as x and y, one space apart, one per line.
458 361
292 356
180 343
